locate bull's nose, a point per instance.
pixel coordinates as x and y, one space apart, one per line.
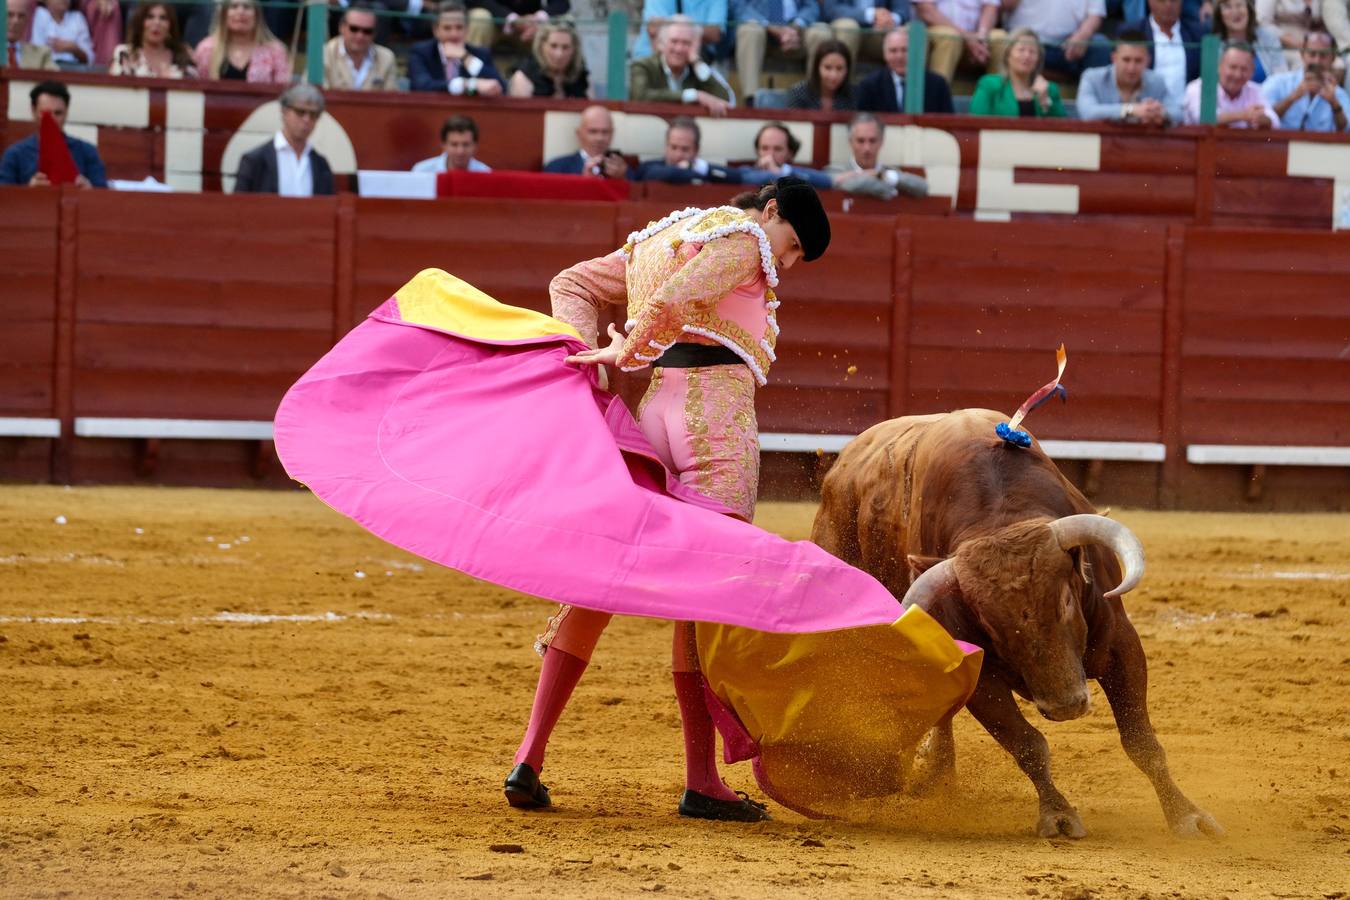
1063 712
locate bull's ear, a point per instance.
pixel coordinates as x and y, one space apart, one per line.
920 564
1104 513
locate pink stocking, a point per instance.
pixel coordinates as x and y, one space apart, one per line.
557 677
700 739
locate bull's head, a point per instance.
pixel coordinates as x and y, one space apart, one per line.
1023 585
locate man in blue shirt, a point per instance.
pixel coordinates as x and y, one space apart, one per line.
19 165
1309 99
711 14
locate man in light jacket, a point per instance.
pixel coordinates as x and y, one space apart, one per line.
1127 91
352 61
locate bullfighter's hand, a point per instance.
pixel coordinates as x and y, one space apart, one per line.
607 356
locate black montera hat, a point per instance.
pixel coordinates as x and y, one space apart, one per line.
799 204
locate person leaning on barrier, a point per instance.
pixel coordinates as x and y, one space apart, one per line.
19 165
459 143
681 163
154 47
1240 103
288 165
961 31
849 18
864 173
515 20
1235 20
1067 30
1127 91
884 90
446 63
1022 91
352 61
793 26
1310 98
675 74
24 54
555 66
775 150
596 157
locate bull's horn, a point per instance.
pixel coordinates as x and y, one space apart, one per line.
932 584
1081 530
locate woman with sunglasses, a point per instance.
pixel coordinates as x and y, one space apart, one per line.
241 47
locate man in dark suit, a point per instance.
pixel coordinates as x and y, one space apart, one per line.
883 91
1174 44
287 164
447 64
681 164
596 158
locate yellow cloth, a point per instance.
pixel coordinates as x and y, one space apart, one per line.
838 715
437 299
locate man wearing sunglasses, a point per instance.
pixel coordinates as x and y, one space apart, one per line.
352 61
288 165
1310 99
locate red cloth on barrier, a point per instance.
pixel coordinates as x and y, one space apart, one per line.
530 186
54 159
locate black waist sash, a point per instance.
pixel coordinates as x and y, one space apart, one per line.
695 356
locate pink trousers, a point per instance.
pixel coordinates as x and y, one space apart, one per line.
701 422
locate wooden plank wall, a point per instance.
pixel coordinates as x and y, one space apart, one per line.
210 306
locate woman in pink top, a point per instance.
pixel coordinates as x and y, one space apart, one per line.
240 47
701 312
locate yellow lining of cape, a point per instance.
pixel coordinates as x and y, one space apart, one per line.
436 299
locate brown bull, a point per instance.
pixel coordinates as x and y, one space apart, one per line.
1004 552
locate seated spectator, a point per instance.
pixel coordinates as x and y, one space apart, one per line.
447 64
555 66
1293 19
1068 30
1174 50
961 31
597 157
884 90
1240 103
848 18
352 61
1309 99
827 87
23 53
1236 21
241 47
65 31
154 47
459 143
675 74
288 165
864 173
1127 91
789 25
775 149
709 15
519 20
681 164
1022 91
19 165
104 18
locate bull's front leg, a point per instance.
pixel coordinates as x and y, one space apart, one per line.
993 706
1125 683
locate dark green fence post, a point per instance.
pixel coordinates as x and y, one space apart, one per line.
4 38
617 70
916 67
316 35
1210 49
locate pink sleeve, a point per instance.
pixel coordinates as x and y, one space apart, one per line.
278 63
201 58
579 294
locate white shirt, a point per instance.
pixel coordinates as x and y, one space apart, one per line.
442 164
361 72
294 178
72 27
1169 58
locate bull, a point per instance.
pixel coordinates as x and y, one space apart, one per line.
1003 551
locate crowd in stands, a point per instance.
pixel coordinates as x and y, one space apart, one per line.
1281 67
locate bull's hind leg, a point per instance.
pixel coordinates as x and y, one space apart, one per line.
1125 684
934 761
993 706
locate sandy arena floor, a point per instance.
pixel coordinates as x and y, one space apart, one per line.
200 695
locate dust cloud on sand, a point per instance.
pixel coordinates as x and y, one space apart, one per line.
232 693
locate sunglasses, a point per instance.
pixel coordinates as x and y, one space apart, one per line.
358 29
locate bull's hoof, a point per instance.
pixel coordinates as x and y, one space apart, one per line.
1061 823
1196 823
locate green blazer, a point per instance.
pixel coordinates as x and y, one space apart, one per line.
994 97
647 82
